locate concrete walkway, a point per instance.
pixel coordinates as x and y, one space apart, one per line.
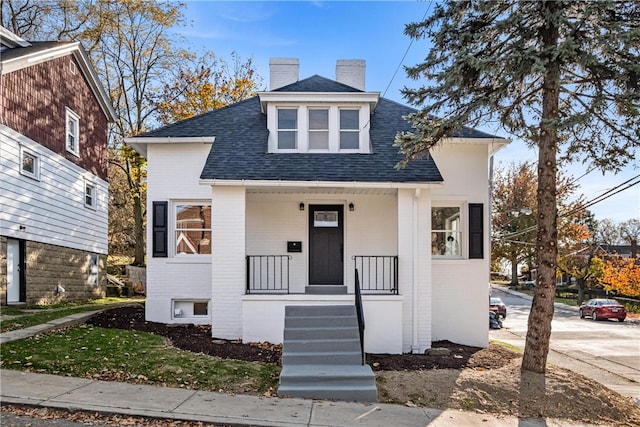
192 405
81 394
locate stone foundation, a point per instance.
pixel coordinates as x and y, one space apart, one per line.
56 274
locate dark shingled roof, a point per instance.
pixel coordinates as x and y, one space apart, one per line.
240 148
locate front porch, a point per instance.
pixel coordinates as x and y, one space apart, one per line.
278 247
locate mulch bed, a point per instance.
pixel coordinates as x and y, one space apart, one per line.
198 339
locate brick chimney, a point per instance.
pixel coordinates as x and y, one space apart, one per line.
282 72
351 72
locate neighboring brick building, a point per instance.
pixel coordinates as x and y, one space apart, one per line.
53 173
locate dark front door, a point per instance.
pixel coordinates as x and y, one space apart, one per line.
326 245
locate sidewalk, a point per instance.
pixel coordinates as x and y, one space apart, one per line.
80 394
191 405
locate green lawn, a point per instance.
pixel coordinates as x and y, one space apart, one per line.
132 356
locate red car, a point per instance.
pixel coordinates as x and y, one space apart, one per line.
601 308
497 306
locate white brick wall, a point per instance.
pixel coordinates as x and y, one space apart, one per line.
173 174
282 72
228 261
351 72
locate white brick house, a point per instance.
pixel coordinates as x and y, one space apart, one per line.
279 199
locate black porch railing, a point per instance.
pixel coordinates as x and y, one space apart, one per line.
267 274
378 273
360 314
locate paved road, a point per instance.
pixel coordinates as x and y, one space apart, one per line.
607 351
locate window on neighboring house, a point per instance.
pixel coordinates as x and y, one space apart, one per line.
287 128
73 132
89 195
193 229
319 129
29 164
349 129
446 231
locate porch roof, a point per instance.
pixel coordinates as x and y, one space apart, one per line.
240 151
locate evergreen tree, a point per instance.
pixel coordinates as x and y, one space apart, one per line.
562 75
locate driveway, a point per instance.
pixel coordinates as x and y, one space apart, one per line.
606 351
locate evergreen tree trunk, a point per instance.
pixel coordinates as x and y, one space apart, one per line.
539 325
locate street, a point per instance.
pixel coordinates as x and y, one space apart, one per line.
607 351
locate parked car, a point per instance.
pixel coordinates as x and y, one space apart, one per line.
603 308
497 306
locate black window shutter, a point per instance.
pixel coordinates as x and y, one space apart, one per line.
476 231
160 229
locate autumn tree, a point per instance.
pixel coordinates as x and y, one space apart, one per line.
513 222
561 75
206 84
138 60
578 257
622 276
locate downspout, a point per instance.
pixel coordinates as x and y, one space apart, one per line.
415 347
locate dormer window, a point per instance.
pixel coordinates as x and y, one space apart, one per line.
287 128
349 129
318 128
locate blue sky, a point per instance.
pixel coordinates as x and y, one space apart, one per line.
320 32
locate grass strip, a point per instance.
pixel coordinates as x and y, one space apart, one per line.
135 357
37 315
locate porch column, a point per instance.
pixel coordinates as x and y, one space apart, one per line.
227 260
414 265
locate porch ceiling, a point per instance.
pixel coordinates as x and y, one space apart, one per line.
321 190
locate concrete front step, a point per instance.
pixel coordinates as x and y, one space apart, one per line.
325 290
321 333
321 358
320 310
326 374
318 321
321 355
313 343
349 383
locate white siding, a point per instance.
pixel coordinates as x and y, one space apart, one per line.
51 209
173 174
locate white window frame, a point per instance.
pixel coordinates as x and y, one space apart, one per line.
302 139
357 131
173 240
93 194
295 131
458 232
24 154
326 130
185 308
73 130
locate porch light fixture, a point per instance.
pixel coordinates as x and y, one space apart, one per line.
301 206
351 207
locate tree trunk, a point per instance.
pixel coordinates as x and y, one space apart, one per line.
514 271
138 231
581 288
539 326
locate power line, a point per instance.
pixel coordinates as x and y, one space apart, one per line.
405 54
611 192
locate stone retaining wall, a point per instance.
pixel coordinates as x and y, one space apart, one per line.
55 274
